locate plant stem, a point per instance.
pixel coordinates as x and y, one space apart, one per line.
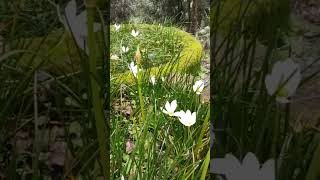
36 130
204 129
95 89
140 95
313 171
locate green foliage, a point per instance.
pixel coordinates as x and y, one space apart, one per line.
188 59
27 18
162 147
245 116
158 45
263 18
145 142
176 12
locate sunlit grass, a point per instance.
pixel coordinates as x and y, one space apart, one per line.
162 146
158 45
147 143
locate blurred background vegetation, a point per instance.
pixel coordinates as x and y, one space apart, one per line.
191 14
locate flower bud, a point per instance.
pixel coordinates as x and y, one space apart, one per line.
137 56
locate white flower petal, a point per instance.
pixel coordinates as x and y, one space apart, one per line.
134 33
198 86
167 106
77 24
271 84
81 21
153 80
71 11
164 111
178 114
229 166
171 107
267 171
174 105
186 118
250 165
117 27
133 68
286 72
249 169
219 165
194 116
194 87
124 49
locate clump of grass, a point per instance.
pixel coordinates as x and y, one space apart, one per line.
155 50
162 147
246 118
64 103
147 143
187 59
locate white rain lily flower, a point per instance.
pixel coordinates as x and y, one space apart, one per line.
249 168
114 57
186 118
124 49
134 69
162 79
77 24
285 75
153 80
134 33
117 27
170 108
198 86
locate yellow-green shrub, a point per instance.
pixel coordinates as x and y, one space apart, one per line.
189 59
